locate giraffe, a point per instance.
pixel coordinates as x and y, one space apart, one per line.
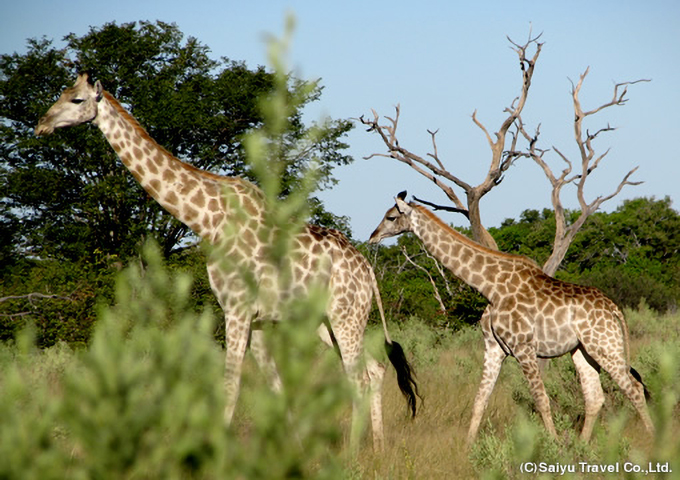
228 212
532 316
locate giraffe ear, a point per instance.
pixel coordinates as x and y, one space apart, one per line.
99 90
403 207
402 195
82 78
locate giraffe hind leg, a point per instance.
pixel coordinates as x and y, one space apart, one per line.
373 377
366 378
614 363
593 394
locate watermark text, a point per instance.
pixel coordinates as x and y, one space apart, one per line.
596 468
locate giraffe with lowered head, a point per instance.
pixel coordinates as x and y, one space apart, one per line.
532 316
212 205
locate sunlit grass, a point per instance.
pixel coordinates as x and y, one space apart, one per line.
429 446
433 445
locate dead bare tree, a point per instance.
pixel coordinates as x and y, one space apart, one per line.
502 158
589 161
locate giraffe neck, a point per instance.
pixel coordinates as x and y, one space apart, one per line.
490 272
193 196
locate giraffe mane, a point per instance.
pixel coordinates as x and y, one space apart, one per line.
478 246
145 135
319 232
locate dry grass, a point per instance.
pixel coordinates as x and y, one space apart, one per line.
433 444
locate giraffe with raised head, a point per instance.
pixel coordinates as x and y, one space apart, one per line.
531 316
212 205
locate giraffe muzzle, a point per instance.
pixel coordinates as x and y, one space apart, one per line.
43 129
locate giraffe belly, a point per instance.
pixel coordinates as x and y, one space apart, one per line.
553 340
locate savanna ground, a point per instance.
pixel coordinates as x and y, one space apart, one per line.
433 445
145 402
449 369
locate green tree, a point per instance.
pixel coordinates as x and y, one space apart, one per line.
414 285
68 196
631 254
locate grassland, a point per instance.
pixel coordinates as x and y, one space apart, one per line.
119 410
433 446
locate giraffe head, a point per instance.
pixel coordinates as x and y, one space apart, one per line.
397 220
77 104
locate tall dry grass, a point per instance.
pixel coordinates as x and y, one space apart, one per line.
42 439
433 445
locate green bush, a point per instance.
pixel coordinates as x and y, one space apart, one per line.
57 297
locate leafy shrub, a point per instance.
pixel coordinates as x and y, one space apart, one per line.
58 298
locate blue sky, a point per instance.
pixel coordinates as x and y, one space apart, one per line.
441 61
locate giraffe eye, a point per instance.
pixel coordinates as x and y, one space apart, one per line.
391 219
77 101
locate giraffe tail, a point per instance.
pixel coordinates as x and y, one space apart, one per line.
626 339
405 374
638 377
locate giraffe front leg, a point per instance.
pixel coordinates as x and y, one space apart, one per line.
493 360
237 330
526 356
264 360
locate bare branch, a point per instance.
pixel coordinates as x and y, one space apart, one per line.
439 268
483 128
624 182
443 207
435 154
434 285
617 98
32 296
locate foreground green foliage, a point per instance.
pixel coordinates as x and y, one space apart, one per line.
145 401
